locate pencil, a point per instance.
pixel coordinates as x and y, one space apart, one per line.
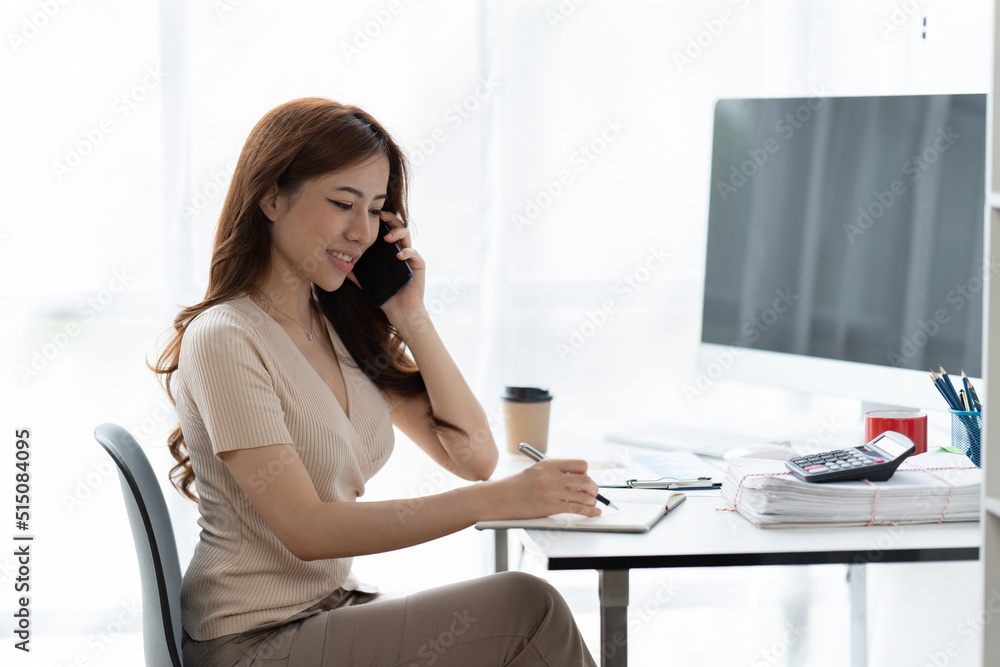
939 383
950 388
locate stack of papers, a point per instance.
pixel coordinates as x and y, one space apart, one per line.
926 488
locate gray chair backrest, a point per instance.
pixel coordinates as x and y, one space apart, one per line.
155 546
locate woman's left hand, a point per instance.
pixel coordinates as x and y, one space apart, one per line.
410 298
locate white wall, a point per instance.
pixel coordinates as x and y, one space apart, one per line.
95 259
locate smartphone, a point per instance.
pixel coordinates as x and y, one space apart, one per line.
379 272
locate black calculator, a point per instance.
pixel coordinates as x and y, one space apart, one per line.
876 461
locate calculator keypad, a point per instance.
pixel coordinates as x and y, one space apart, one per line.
867 462
839 459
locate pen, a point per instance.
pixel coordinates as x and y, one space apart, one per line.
971 394
536 455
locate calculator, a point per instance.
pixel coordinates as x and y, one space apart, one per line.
875 461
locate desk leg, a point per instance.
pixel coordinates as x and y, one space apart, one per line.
613 589
500 549
857 574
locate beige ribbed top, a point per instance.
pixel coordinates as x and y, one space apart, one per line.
240 383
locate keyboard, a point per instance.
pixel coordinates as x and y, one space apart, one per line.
690 439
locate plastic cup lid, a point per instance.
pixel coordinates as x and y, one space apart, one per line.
526 394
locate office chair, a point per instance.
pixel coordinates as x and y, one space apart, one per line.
159 568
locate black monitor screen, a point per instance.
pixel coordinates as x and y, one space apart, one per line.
849 228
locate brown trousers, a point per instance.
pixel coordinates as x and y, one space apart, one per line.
509 618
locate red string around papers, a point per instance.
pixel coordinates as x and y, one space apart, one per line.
919 469
873 520
736 496
951 487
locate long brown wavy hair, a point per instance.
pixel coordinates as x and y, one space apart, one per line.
292 143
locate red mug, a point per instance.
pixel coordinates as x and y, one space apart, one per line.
910 423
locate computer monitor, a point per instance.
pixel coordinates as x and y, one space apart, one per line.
845 244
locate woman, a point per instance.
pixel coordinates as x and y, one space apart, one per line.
287 384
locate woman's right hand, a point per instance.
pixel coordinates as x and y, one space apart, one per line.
552 486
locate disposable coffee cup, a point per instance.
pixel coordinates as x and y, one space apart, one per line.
526 417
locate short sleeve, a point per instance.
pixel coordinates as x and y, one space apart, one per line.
222 367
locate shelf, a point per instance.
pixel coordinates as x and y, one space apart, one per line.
992 505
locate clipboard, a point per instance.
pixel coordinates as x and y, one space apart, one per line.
672 483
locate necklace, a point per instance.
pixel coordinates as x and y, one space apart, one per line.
268 302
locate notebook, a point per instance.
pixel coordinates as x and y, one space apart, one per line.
638 511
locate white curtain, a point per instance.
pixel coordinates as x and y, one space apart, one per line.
560 155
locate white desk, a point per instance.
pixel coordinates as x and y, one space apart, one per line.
694 534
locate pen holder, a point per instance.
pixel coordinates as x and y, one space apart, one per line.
966 432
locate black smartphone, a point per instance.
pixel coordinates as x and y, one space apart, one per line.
379 272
